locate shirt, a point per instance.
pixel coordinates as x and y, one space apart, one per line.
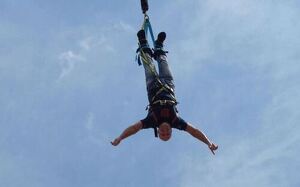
160 114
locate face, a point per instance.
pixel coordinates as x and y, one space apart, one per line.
165 131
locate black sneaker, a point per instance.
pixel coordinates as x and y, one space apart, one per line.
159 43
142 38
143 43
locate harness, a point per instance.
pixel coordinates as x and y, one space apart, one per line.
141 56
163 87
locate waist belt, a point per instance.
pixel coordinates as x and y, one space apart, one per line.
163 87
164 102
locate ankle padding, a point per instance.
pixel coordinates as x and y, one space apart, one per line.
158 52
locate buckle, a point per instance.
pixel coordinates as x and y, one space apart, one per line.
163 102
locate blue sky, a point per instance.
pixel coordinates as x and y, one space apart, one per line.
69 85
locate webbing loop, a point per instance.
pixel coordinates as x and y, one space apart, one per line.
147 27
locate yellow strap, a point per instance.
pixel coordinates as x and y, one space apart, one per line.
164 87
163 102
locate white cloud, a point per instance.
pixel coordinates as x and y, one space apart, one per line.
252 34
68 61
92 42
94 134
124 27
70 56
94 46
86 43
255 161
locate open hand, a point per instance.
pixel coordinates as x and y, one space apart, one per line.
116 142
213 147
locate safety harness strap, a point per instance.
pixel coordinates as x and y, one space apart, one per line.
164 102
164 87
148 27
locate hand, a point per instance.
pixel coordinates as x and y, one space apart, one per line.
213 147
116 141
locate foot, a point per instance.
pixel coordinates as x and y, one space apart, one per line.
142 37
143 43
160 40
159 44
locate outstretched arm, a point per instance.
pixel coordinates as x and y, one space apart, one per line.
202 137
128 132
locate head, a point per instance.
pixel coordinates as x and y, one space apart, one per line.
164 131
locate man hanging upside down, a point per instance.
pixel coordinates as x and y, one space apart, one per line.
162 113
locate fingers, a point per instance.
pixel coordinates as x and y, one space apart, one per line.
212 148
115 142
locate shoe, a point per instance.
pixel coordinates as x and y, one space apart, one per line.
142 37
143 43
159 43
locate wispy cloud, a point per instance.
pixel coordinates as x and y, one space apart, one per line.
92 42
94 134
68 60
256 35
267 158
86 43
124 27
249 32
101 42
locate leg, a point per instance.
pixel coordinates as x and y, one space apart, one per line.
163 66
149 67
146 57
161 58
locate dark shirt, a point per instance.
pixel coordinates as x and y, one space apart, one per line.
160 114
